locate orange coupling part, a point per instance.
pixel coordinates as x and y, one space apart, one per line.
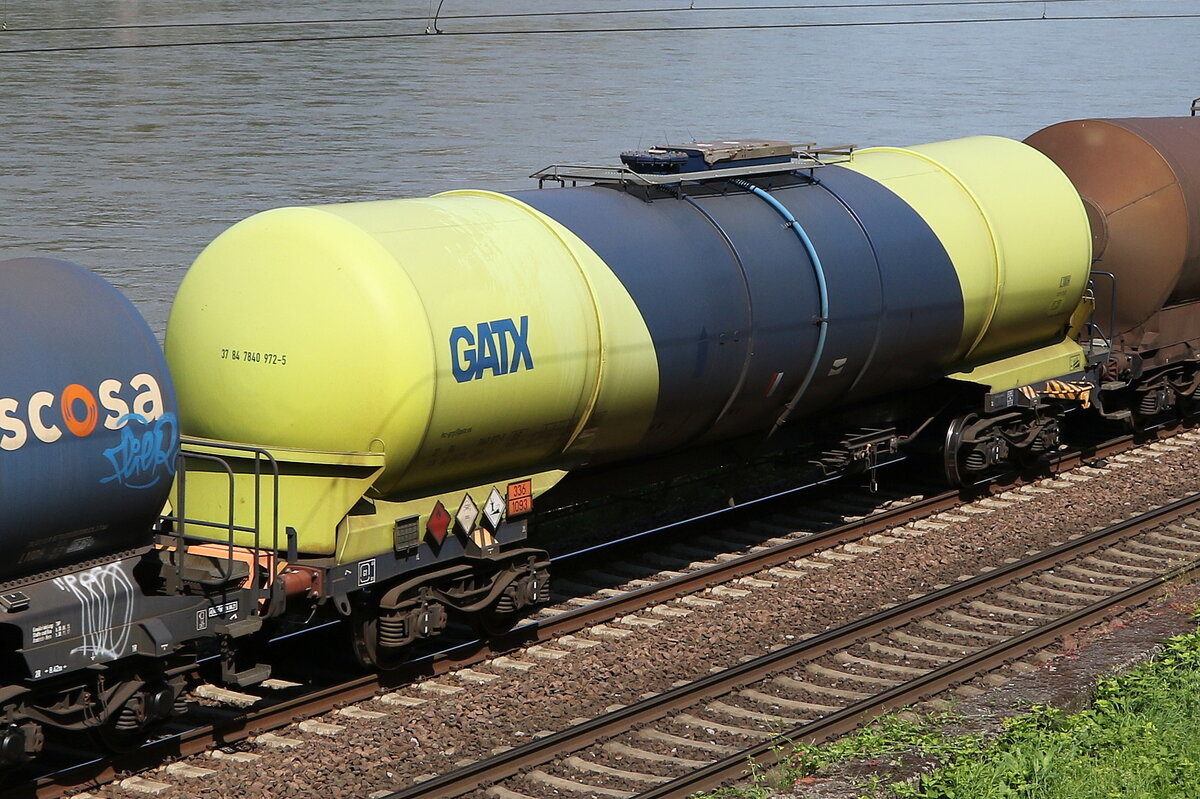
302 581
259 564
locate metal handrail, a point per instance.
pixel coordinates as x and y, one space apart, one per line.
259 455
181 521
1112 302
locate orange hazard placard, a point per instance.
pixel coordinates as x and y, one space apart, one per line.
520 497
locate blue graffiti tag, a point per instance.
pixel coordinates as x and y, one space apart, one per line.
141 459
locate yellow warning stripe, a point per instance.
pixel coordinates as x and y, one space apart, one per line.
1061 389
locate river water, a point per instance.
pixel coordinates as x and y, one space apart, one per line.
128 143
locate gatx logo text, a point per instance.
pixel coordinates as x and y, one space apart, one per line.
501 347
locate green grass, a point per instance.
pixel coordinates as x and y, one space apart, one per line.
881 743
1139 740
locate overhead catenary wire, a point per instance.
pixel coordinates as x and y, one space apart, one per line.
437 17
584 31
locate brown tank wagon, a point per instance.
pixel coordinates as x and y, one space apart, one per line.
1140 183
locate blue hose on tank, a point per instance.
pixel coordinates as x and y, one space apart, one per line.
823 319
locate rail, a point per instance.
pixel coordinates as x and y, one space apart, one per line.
543 751
273 713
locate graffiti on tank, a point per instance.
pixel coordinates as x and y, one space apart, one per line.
105 595
501 347
146 452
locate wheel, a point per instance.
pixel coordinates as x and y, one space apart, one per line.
952 450
15 746
364 637
365 647
530 586
117 740
138 717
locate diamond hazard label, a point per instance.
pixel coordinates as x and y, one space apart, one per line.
468 513
439 523
493 509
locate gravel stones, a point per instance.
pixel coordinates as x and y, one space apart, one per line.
433 725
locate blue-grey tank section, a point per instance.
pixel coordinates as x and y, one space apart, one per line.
88 430
775 299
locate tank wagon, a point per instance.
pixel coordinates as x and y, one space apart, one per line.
422 373
95 622
1140 183
380 398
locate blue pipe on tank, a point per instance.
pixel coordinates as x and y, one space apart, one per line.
823 320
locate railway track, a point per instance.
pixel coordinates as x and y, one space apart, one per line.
829 684
274 709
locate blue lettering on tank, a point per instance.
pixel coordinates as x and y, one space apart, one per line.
143 458
520 341
462 354
488 356
500 347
